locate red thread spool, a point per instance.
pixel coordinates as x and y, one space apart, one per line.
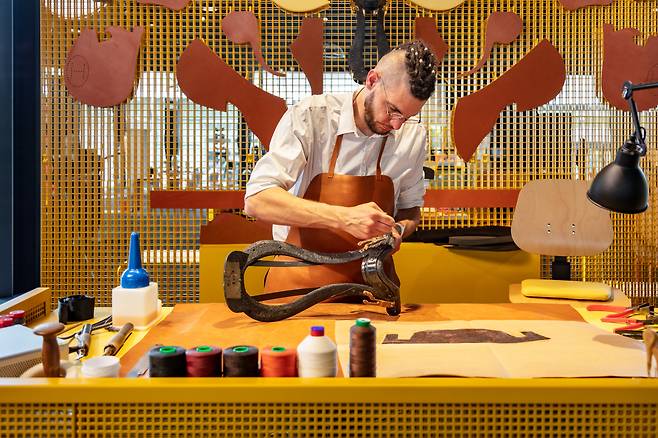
204 361
6 321
278 362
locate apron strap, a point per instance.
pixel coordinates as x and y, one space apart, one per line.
379 158
334 155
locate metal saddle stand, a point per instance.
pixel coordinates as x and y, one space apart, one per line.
378 287
361 7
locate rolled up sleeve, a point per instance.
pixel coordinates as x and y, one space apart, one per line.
287 156
412 183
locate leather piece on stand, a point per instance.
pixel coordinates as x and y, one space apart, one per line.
103 73
502 28
200 70
426 32
572 5
175 5
533 81
241 27
232 228
214 324
307 49
619 52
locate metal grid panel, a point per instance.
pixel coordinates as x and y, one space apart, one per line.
98 164
330 420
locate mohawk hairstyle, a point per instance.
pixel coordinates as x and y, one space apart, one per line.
421 68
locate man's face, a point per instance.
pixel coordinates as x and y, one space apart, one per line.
387 108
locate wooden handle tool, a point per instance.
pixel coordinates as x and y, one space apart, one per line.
50 349
115 343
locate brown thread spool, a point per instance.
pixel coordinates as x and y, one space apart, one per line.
241 361
204 361
363 349
278 362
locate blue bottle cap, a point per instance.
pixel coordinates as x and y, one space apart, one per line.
135 276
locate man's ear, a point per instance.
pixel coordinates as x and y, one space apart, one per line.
371 79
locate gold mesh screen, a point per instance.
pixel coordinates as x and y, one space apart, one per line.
473 420
98 165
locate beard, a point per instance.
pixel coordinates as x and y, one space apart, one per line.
369 117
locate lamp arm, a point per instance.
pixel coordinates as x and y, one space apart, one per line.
627 92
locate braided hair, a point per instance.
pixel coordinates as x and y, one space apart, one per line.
421 68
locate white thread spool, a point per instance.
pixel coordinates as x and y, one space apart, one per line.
316 355
101 366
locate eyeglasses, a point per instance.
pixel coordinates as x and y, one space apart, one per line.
396 115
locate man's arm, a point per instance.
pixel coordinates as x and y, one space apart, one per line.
409 218
276 205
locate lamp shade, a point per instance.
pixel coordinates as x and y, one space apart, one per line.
621 185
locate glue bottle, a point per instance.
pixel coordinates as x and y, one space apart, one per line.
316 355
136 299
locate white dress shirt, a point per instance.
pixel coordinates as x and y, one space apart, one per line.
304 139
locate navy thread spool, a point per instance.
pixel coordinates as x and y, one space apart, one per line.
241 361
167 361
363 349
204 361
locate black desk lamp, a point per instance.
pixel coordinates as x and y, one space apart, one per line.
621 185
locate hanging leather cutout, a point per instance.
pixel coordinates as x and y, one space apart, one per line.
175 5
232 228
241 27
307 49
437 5
624 60
301 6
103 74
533 81
426 32
361 8
502 28
572 5
207 80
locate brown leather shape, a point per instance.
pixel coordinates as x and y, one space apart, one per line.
175 5
233 228
103 74
502 28
427 33
533 81
241 27
624 60
207 80
307 49
572 5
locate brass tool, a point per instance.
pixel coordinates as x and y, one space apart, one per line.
116 341
84 340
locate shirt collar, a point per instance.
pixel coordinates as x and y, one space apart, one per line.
346 122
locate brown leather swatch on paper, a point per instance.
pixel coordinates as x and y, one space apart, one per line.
533 81
502 28
232 228
427 33
175 5
207 80
624 60
241 27
572 5
103 73
307 49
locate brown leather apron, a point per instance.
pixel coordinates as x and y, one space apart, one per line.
343 190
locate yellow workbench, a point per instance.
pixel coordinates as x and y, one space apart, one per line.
232 407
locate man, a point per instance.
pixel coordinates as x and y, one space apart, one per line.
347 167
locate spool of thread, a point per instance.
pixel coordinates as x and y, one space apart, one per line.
278 362
18 316
204 361
101 366
6 321
167 361
363 349
241 361
316 355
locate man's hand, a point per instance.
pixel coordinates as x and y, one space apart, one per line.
365 221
